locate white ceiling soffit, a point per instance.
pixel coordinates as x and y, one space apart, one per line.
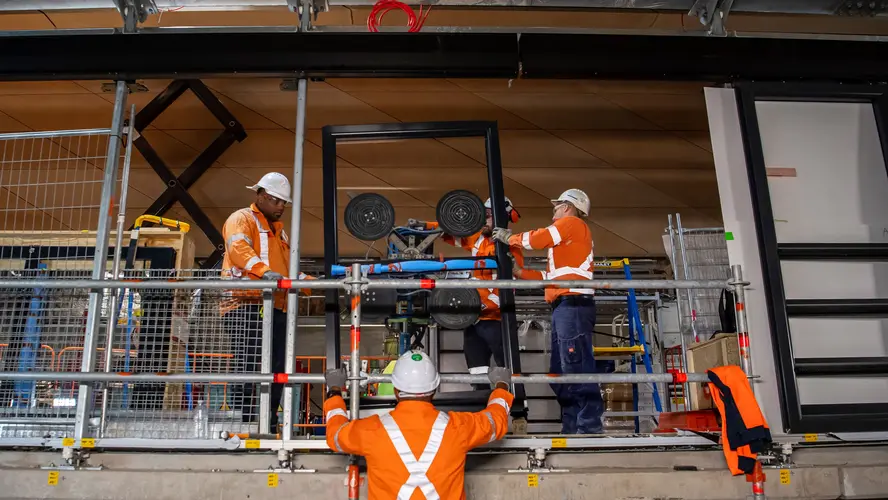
757 6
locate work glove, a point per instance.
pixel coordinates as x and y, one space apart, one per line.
336 378
499 376
272 276
502 234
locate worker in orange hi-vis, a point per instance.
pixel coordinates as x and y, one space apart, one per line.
570 257
257 247
485 337
416 451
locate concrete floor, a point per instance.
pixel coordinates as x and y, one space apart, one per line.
830 473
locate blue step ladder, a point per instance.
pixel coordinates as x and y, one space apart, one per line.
636 337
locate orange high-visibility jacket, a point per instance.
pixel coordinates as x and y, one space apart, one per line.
745 433
482 246
417 452
571 255
252 248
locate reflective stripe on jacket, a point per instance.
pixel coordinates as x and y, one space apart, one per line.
252 248
482 246
570 257
415 451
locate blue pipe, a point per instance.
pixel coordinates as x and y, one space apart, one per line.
24 389
420 266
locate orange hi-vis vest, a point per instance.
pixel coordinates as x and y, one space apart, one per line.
252 248
482 246
745 433
571 255
416 452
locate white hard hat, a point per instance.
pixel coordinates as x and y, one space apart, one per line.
415 374
274 184
576 198
488 204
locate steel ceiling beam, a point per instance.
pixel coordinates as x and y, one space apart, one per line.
181 55
824 7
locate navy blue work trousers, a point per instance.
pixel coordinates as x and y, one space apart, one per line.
573 325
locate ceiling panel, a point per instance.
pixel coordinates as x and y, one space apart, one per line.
640 149
694 188
440 106
529 148
58 111
606 187
430 189
670 111
18 88
188 112
326 106
270 149
568 111
408 153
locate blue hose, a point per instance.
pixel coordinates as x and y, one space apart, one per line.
419 266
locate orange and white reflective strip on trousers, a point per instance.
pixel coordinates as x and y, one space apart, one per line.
417 468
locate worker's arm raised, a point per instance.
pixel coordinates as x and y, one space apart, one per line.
343 436
465 243
239 245
480 428
518 270
547 237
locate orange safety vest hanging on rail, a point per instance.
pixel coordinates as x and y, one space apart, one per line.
745 433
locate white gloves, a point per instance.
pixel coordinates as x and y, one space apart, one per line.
502 235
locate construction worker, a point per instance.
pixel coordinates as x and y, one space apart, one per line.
569 243
485 337
257 247
416 451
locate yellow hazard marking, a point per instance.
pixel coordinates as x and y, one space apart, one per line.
559 443
785 476
252 444
533 480
87 443
53 478
68 442
810 438
272 480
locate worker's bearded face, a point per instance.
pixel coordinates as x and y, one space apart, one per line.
487 230
271 207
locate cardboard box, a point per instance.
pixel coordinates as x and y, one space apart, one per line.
722 350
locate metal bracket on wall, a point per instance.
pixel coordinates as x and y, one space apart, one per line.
135 12
713 14
177 187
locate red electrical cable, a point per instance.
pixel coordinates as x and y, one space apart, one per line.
383 7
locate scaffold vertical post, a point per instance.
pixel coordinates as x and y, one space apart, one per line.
267 313
757 478
294 272
117 296
685 392
85 398
354 368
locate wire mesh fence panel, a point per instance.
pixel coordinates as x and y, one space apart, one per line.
707 259
185 331
50 193
699 254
